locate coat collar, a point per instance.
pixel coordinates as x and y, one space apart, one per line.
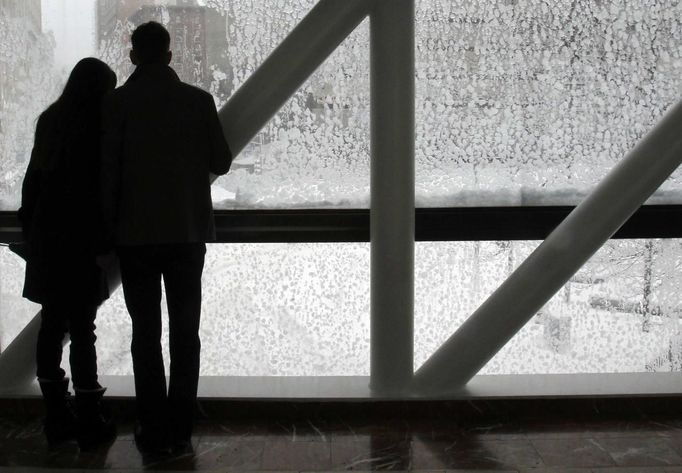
156 72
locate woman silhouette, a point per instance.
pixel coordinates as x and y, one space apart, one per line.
61 225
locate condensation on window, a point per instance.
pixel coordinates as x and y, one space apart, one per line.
533 102
620 313
518 103
303 309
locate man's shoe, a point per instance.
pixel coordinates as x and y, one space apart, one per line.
182 446
151 444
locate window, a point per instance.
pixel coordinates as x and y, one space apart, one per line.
518 104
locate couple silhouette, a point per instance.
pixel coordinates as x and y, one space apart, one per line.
122 175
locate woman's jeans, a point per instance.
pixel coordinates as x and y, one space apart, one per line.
61 318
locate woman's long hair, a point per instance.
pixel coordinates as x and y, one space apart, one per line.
77 111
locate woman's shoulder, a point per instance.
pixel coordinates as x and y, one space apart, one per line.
47 119
50 113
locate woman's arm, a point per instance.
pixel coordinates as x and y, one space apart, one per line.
31 187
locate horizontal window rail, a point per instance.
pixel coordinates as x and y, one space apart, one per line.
271 389
432 224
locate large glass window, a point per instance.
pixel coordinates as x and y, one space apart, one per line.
518 103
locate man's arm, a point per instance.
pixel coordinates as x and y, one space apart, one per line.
221 156
110 169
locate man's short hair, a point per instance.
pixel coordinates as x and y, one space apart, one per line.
151 42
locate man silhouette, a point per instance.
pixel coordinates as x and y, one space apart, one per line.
161 140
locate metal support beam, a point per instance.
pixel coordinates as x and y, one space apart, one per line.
550 266
18 360
289 65
392 195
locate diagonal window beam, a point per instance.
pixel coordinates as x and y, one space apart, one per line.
18 360
288 67
560 256
18 364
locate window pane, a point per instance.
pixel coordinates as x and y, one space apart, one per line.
620 313
268 310
532 102
518 103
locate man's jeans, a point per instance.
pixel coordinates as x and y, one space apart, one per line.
181 266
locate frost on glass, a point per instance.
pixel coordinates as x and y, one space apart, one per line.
303 309
518 102
268 310
28 83
532 102
619 313
315 150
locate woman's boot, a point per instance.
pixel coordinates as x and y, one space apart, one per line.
95 426
60 421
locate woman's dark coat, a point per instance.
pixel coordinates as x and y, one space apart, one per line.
60 214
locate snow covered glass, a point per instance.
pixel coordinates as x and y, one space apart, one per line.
303 309
518 102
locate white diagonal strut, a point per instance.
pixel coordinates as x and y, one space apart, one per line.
550 266
289 65
18 360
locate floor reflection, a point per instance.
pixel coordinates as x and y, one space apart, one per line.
364 441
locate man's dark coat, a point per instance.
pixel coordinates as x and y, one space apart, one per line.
161 139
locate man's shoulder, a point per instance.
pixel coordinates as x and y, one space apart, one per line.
131 93
193 91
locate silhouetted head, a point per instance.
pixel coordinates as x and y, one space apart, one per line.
88 82
151 44
77 112
81 99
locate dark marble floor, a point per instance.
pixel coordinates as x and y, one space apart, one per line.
435 437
